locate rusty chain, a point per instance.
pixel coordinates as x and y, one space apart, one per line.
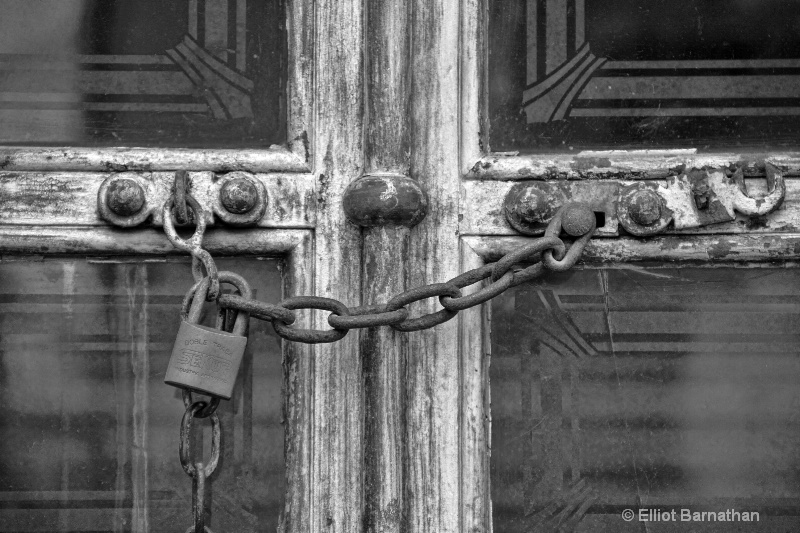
547 253
198 471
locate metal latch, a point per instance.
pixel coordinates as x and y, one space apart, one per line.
692 199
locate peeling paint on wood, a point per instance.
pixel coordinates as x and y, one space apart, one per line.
622 165
274 159
106 241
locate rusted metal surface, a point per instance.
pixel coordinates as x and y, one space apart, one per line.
122 200
644 207
529 206
642 211
180 188
693 199
125 197
311 336
238 196
194 244
241 199
576 220
380 200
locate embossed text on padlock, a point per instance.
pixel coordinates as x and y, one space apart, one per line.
206 359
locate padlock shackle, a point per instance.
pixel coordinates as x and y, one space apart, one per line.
192 308
242 317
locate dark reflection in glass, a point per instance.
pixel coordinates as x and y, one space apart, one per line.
189 73
658 388
587 74
90 430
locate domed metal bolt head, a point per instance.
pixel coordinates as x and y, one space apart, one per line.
645 207
238 196
125 197
577 220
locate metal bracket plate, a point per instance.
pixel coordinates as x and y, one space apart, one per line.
693 199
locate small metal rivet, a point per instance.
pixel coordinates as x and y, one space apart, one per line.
577 220
125 197
645 207
238 196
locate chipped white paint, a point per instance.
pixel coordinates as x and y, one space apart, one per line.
621 164
390 192
273 159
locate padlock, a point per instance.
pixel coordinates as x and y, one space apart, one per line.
204 359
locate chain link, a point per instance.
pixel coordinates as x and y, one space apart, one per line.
179 188
368 316
197 470
193 245
561 262
546 253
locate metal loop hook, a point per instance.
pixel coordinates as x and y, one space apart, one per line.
561 264
196 240
185 449
180 188
193 245
760 206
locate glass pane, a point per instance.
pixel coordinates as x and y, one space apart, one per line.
186 73
577 74
90 430
655 389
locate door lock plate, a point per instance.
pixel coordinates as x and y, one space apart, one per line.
693 199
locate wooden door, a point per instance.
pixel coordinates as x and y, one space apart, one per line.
384 431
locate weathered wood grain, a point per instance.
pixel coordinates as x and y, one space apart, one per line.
385 356
433 482
334 467
298 391
70 198
475 420
385 269
474 82
273 159
300 84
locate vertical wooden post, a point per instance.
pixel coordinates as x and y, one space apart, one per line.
334 468
432 428
385 267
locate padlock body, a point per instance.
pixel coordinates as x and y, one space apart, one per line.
205 360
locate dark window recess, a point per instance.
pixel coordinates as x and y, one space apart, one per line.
188 73
587 74
659 388
89 429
